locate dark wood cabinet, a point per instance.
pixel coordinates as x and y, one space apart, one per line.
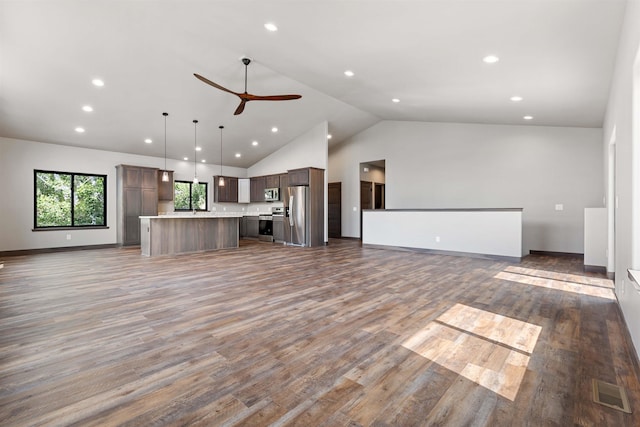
137 195
165 188
226 193
252 226
298 177
284 183
278 229
258 184
272 181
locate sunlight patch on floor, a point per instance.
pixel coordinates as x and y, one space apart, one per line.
490 349
560 285
564 277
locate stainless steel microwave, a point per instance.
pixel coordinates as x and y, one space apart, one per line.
271 194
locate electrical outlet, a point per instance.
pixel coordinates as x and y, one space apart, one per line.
437 239
213 208
355 209
224 209
68 236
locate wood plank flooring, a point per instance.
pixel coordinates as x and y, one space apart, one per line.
330 336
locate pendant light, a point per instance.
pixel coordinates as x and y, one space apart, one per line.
195 151
221 178
165 174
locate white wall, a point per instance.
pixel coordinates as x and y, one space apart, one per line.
619 121
307 150
19 158
452 165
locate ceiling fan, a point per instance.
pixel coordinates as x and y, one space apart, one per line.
245 96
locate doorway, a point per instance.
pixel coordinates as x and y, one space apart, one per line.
335 209
372 186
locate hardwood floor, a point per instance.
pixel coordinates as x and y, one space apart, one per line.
328 336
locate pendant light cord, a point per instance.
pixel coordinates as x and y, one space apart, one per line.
195 148
165 140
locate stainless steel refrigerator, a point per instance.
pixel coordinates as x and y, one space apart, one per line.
297 228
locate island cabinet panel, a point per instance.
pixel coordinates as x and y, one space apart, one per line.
258 184
137 195
272 181
227 192
298 177
167 236
165 188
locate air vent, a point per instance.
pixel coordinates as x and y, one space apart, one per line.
610 395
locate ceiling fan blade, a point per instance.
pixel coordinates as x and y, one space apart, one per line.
240 108
274 97
216 85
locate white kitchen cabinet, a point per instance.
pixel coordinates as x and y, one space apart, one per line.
244 195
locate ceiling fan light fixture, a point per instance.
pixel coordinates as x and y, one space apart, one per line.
270 26
246 96
349 73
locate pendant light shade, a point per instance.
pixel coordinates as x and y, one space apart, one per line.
221 178
195 151
165 174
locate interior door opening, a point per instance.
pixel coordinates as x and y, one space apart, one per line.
372 186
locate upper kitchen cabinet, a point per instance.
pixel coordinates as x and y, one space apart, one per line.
258 184
244 190
298 177
227 192
137 195
284 183
272 181
165 188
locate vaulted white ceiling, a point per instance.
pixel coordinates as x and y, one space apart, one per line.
556 54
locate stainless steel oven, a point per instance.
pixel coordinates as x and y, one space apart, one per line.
265 228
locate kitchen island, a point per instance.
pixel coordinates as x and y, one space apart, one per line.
176 234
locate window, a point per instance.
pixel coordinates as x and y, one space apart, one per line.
189 196
65 199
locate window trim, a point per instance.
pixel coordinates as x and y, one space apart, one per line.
206 196
72 226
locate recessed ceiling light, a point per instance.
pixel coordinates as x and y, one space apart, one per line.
238 155
528 117
491 59
148 141
516 98
274 129
329 136
198 148
254 143
87 108
349 73
79 129
396 100
185 158
97 82
271 26
203 161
